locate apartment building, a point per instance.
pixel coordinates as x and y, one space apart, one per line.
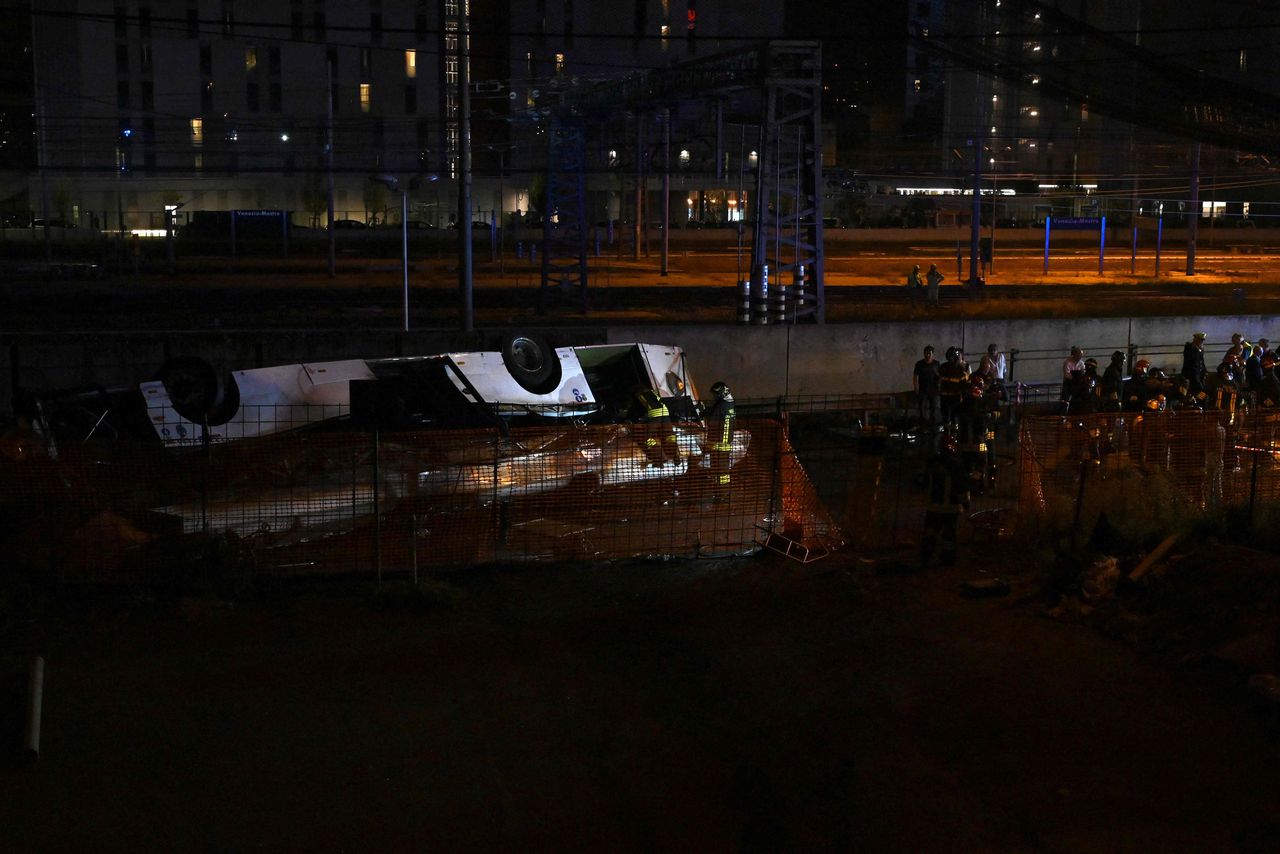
225 104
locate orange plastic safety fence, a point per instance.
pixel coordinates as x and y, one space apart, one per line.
807 531
1178 464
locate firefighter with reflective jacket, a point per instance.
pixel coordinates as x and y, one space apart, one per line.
977 433
720 416
1224 389
1135 389
659 442
1083 396
948 496
953 383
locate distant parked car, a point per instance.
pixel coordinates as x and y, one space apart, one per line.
348 224
419 225
56 222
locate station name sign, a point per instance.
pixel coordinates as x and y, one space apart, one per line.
1076 223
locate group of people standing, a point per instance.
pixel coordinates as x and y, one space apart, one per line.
958 410
933 279
942 388
1245 378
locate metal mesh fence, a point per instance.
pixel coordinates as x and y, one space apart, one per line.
804 476
1148 472
867 457
305 502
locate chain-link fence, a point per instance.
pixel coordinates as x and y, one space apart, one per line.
800 476
322 500
1149 473
313 495
867 457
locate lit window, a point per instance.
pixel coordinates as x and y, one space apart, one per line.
916 85
613 157
753 158
197 131
1244 61
684 157
365 96
451 70
1035 80
559 63
410 63
250 58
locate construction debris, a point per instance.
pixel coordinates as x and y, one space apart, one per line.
1159 552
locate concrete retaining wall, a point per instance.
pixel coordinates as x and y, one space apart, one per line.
757 362
875 358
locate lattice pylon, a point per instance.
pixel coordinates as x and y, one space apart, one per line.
564 241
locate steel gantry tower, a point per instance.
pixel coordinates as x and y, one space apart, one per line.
777 82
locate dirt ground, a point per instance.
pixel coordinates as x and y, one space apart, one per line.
750 704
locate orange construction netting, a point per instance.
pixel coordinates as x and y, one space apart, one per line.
1163 468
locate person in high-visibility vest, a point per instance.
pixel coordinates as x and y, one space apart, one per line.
720 416
659 443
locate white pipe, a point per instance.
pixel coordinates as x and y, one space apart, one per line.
35 700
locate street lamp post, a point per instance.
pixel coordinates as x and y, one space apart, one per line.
502 189
392 183
995 202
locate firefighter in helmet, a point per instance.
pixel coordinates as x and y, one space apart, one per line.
659 442
1223 389
953 381
977 432
720 416
1135 390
